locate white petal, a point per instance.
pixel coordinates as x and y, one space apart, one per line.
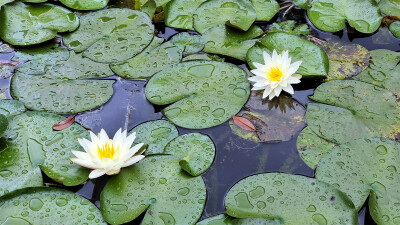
267 91
118 137
103 136
94 137
257 79
293 80
294 67
258 65
113 171
277 91
132 151
289 89
258 72
86 144
133 160
267 58
84 163
258 88
96 174
272 95
82 155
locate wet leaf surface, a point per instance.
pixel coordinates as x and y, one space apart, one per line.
179 13
189 44
265 9
85 5
227 220
3 124
390 7
395 29
289 26
11 108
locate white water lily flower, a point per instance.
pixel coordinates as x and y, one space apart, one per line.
276 75
105 155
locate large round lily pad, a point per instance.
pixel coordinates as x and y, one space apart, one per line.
43 205
30 143
86 4
236 13
291 199
223 219
265 9
158 186
196 151
331 15
179 13
366 167
315 61
206 93
23 24
353 110
155 134
111 35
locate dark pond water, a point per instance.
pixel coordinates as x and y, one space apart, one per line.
236 158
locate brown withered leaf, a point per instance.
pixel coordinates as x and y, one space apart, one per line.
244 123
64 124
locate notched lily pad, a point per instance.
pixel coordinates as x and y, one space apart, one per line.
290 199
42 205
103 35
179 13
289 26
265 9
196 151
156 134
189 44
204 93
158 186
390 7
85 5
395 28
23 24
223 219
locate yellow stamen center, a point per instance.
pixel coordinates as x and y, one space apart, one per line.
274 74
107 150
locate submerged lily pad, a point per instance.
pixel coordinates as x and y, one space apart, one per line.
85 5
156 134
345 59
30 143
179 13
331 15
223 219
5 48
42 205
103 35
228 41
390 7
189 44
289 26
311 147
276 120
146 65
23 24
315 61
196 151
366 167
352 110
204 93
157 185
395 28
236 13
290 199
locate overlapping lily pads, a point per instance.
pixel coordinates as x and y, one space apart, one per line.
290 199
23 24
179 13
158 186
11 108
390 7
189 44
85 5
265 9
103 35
204 93
227 220
289 26
42 205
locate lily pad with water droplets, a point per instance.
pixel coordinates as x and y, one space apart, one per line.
156 134
290 199
23 24
157 186
395 28
30 145
196 151
3 124
289 26
189 44
366 167
179 13
43 205
315 61
265 9
239 14
223 219
103 35
85 5
11 108
146 65
353 110
204 93
390 7
331 15
228 41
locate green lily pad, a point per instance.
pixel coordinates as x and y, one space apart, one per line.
265 9
30 145
190 85
11 108
345 59
149 8
196 151
229 41
103 35
291 199
395 28
38 58
189 44
223 219
42 205
146 65
383 71
331 15
289 26
239 14
3 124
5 48
203 57
23 24
311 147
6 70
179 13
275 121
366 167
156 184
85 5
315 61
156 134
353 110
3 2
390 7
304 4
